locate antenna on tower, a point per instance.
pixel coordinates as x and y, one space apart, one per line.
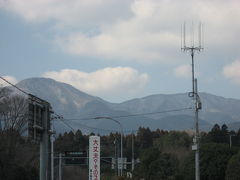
189 45
192 48
188 40
199 34
184 36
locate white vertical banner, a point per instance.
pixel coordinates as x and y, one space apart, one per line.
94 158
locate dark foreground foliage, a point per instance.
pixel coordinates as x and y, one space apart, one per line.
158 155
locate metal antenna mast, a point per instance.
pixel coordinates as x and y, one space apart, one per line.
194 94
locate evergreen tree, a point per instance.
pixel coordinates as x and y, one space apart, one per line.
233 168
213 160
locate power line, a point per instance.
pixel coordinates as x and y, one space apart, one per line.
131 115
14 85
66 124
63 120
90 127
33 97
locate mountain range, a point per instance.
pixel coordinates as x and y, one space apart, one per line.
168 112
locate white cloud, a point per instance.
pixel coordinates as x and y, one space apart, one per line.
107 82
183 71
11 79
146 30
67 12
232 71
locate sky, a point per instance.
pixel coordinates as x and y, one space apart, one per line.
122 49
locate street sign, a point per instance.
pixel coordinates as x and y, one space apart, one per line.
194 147
94 158
124 163
75 158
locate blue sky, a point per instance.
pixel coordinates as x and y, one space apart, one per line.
120 50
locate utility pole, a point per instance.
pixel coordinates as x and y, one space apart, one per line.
198 106
87 150
44 144
52 133
60 167
0 123
0 109
194 94
52 157
121 152
133 163
119 173
116 157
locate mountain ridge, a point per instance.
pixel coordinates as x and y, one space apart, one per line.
71 102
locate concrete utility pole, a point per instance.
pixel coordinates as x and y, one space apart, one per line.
119 161
52 157
0 122
52 134
44 144
0 109
87 150
60 167
197 137
121 150
133 163
116 156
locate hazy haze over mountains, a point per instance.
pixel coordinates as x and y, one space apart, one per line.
74 104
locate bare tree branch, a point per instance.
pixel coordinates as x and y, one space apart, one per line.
13 111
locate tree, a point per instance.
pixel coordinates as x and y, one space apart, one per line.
80 140
233 168
144 138
187 170
175 143
16 154
14 117
13 110
155 165
213 160
224 130
218 135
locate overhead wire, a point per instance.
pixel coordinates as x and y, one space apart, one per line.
14 85
66 124
32 97
124 116
131 115
64 121
83 126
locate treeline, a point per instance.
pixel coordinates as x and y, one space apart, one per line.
167 154
158 154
